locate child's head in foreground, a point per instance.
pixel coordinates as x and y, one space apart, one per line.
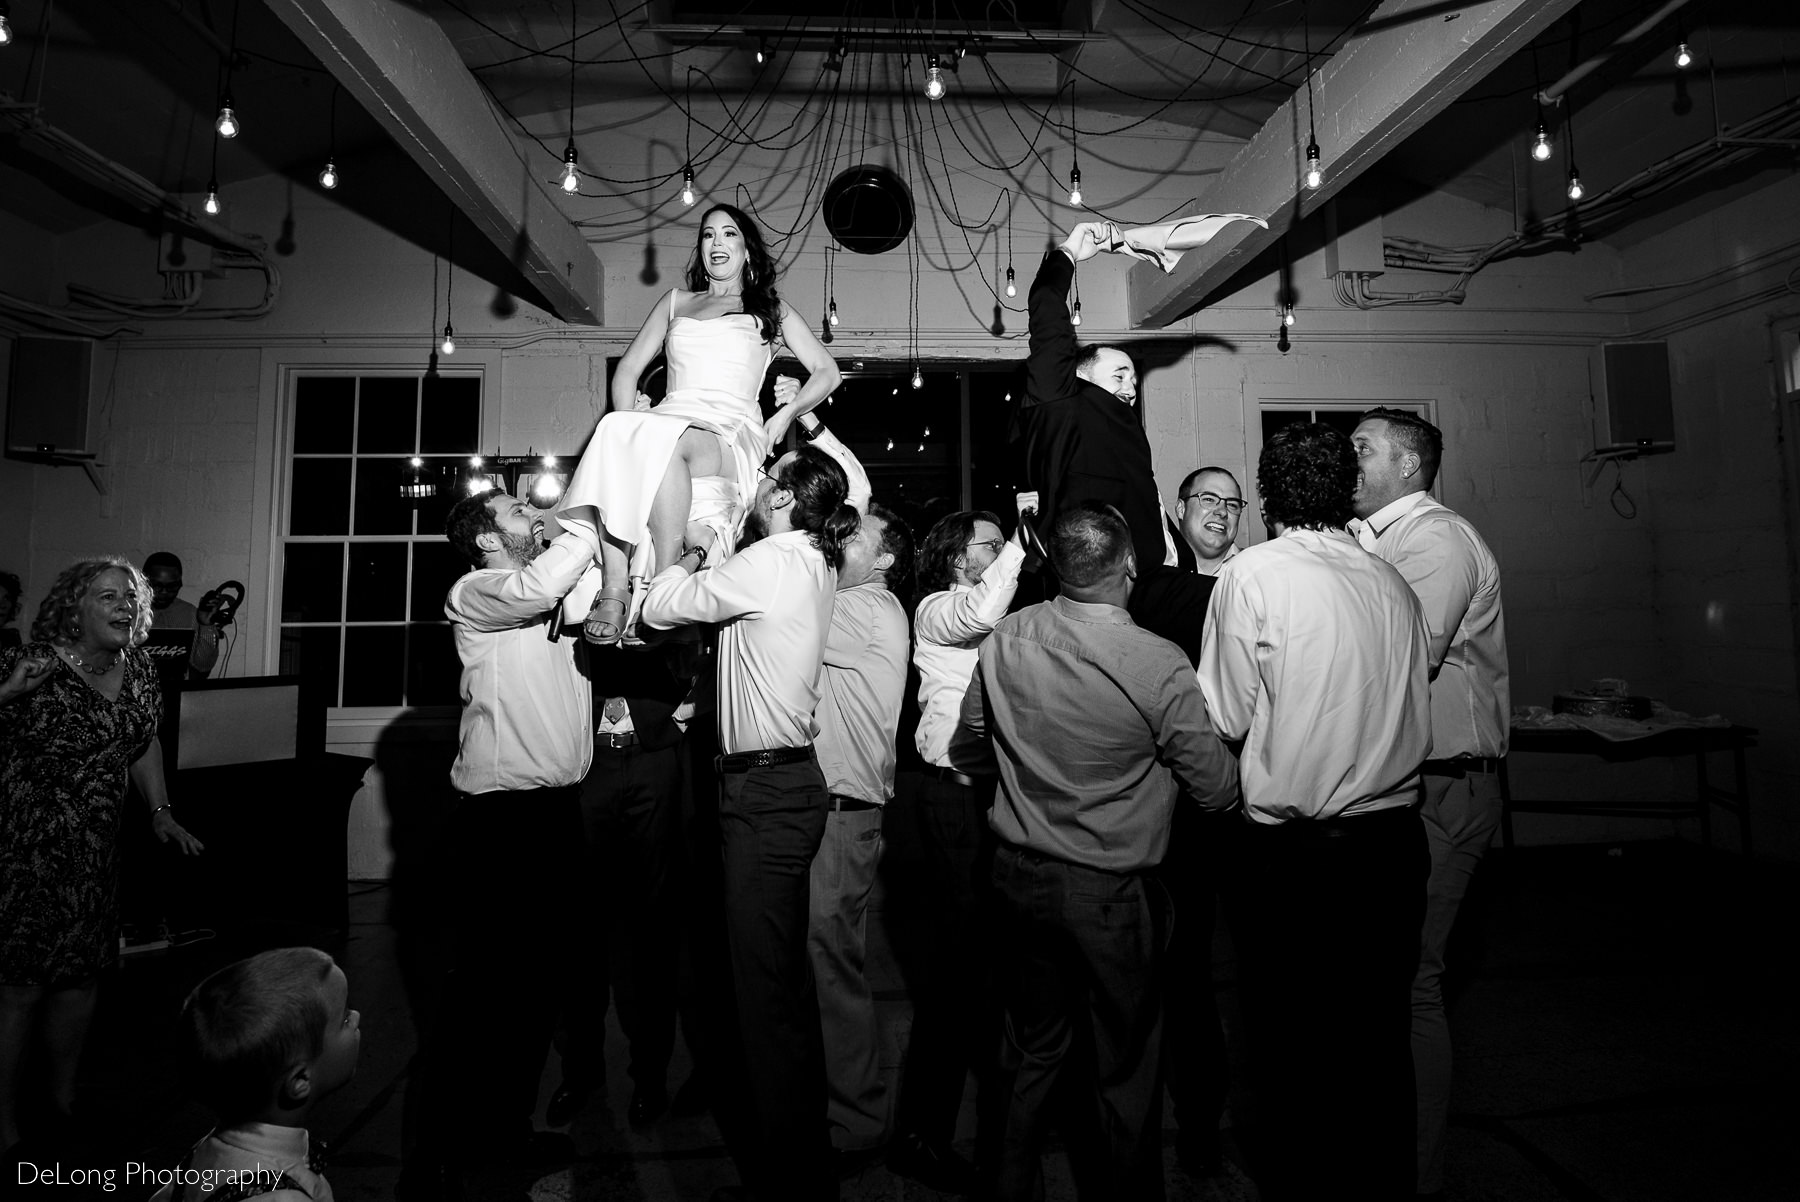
264 1039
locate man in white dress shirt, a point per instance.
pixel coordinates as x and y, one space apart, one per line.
773 600
969 573
1458 585
524 743
1315 655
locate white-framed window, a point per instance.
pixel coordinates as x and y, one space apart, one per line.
360 568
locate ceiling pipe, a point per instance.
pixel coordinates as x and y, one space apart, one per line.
1554 93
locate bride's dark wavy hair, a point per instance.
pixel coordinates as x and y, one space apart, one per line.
760 298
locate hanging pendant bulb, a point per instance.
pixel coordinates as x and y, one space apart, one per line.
6 34
831 312
1287 315
571 175
1075 317
1012 286
1315 175
212 197
1075 185
918 379
927 433
762 51
934 80
890 444
1683 59
687 187
227 123
328 178
1576 191
1540 145
448 345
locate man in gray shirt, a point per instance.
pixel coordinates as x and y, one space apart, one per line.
1094 723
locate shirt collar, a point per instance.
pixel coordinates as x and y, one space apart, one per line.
1096 612
1393 511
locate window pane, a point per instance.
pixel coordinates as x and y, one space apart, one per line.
434 509
320 500
389 414
374 664
312 583
322 410
451 421
377 590
380 509
311 653
435 568
433 671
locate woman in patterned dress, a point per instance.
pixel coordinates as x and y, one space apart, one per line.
79 707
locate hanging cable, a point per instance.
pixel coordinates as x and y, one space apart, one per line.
1315 175
449 344
226 125
328 178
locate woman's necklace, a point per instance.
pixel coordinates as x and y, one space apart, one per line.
88 668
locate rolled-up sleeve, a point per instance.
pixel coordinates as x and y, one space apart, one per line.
734 589
956 617
491 601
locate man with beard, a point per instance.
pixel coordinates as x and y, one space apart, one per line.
773 599
514 843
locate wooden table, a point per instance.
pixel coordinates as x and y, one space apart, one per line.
1697 741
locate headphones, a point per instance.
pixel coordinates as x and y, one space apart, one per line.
224 601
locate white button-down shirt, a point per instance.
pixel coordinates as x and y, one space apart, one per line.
1458 585
863 686
773 599
1315 655
1210 567
948 627
527 712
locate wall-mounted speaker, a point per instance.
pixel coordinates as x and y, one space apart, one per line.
1633 408
47 397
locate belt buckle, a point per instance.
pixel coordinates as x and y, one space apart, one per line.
617 740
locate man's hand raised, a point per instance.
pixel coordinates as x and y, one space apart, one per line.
1086 240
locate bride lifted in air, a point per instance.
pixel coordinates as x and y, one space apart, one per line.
657 483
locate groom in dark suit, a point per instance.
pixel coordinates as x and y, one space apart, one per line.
1079 426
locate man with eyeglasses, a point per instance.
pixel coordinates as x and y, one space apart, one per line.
1458 585
1211 504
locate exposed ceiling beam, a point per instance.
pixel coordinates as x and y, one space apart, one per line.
398 64
1409 61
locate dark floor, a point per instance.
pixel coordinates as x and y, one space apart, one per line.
1625 1032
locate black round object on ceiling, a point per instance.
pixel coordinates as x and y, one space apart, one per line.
868 209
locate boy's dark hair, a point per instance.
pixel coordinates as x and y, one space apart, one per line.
1415 434
469 519
896 540
163 559
246 1026
1306 475
819 486
1088 543
943 543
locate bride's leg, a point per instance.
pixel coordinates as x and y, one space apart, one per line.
697 454
606 620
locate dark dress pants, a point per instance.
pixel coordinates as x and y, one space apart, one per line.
629 924
515 857
1083 1026
1199 1070
771 822
1326 919
956 1014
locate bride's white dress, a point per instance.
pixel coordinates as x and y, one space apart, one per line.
716 368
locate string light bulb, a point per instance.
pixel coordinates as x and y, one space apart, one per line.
212 198
1075 316
1576 191
1012 285
927 433
1315 175
571 174
890 445
934 80
688 196
6 35
227 123
448 345
1287 315
1540 145
328 178
918 377
1075 185
831 312
1683 58
762 51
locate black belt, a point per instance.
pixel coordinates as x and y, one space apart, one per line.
743 761
852 805
616 740
1462 765
961 778
1341 827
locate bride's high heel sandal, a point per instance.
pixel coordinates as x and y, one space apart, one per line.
605 623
